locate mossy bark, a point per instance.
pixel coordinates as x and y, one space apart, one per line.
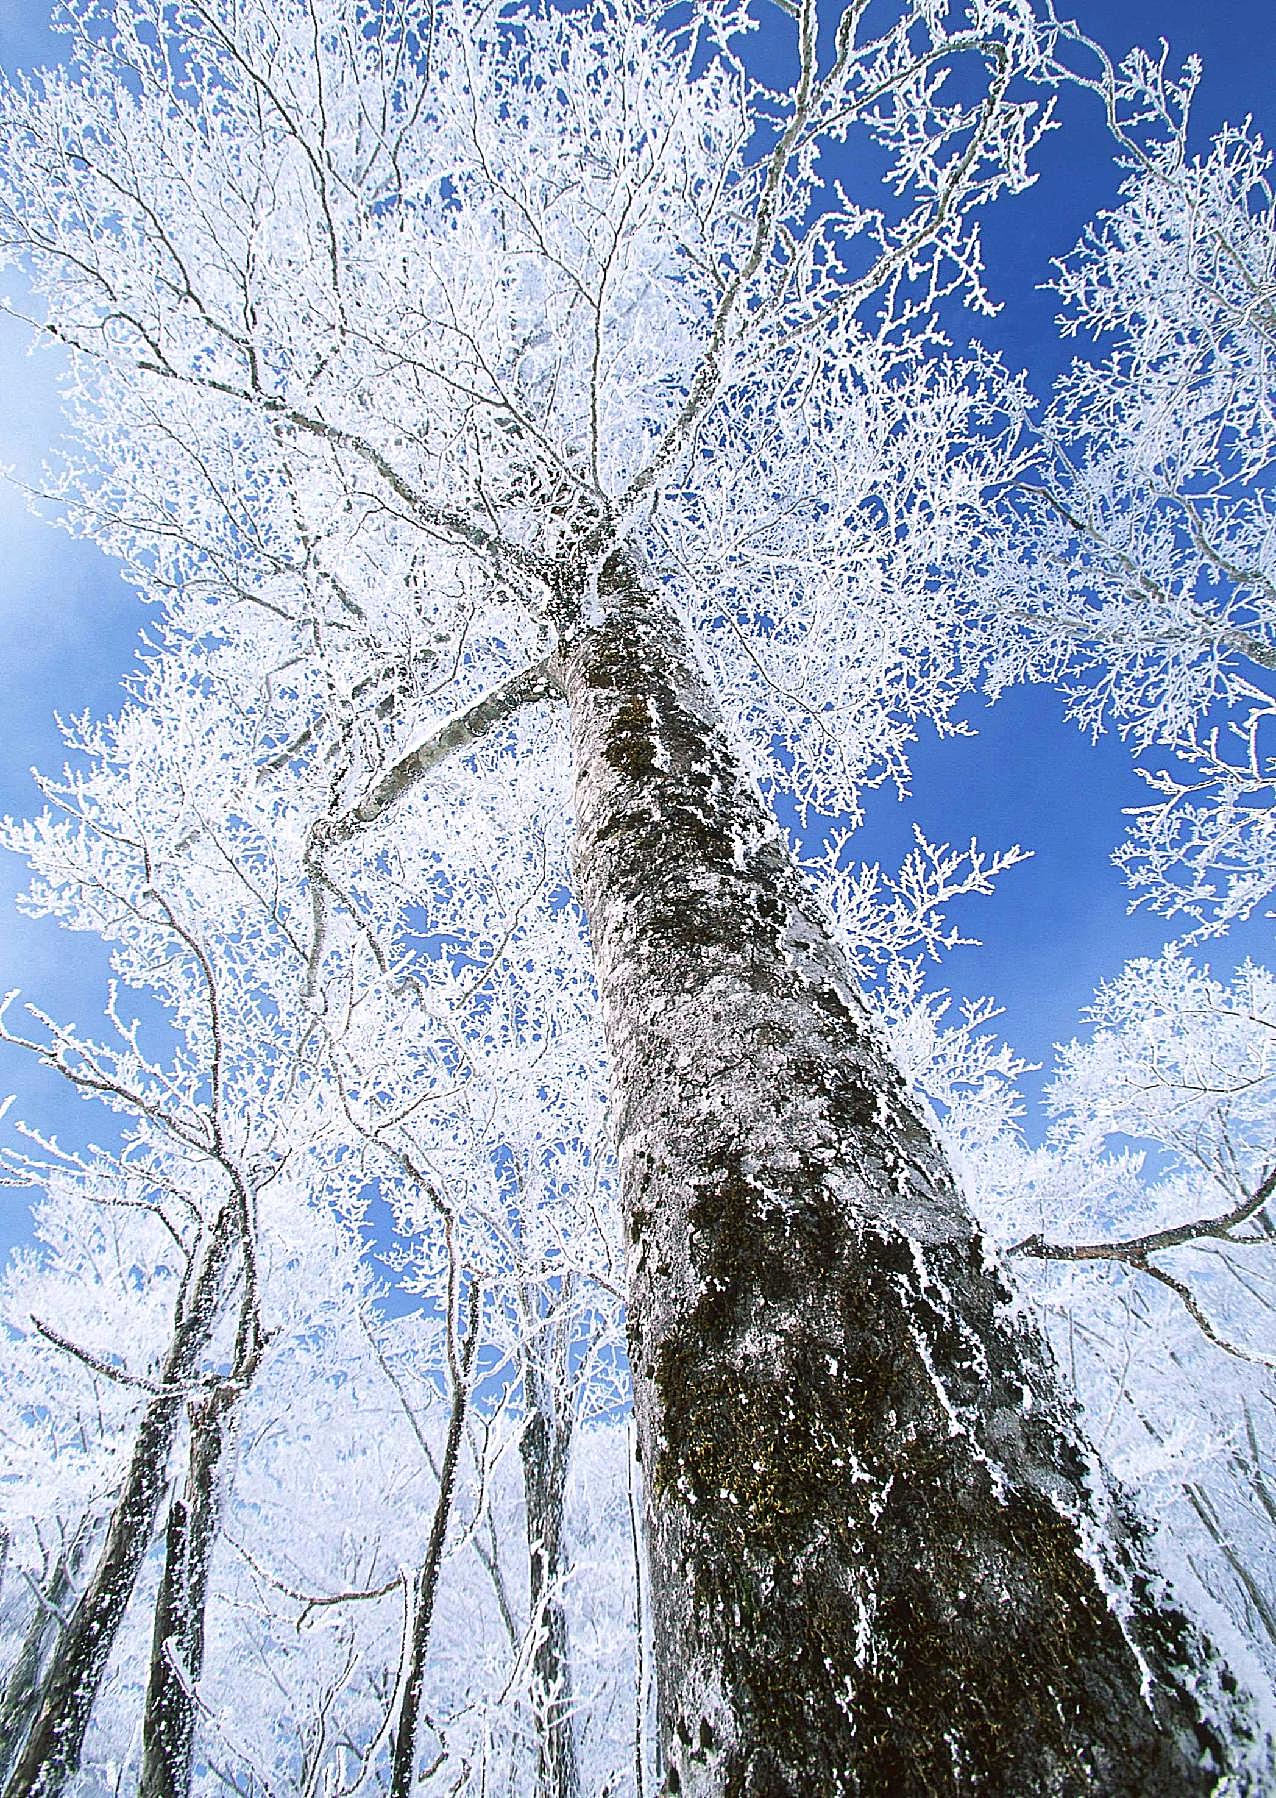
882 1559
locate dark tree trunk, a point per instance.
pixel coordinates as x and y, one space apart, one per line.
181 1604
544 1448
22 1687
51 1753
880 1559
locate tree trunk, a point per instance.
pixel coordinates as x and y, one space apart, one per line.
51 1753
544 1447
881 1562
425 1590
177 1642
21 1689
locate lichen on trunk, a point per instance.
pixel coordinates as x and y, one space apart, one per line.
883 1559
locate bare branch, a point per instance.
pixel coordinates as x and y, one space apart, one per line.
1136 1249
531 684
120 1375
1194 1311
313 1601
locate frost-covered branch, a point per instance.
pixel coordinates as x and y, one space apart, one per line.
459 733
1143 578
1136 1249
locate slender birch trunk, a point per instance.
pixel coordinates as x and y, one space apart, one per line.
51 1753
544 1447
425 1589
177 1640
879 1561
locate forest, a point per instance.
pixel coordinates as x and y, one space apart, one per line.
548 1292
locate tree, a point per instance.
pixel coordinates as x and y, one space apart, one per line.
193 1165
454 372
144 836
1146 585
100 1273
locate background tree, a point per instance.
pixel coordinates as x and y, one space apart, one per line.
141 826
1146 587
99 1271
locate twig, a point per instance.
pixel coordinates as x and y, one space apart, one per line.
313 1601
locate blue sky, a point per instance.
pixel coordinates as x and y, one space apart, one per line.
1057 925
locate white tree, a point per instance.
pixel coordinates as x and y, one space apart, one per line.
98 1273
1149 588
160 843
435 367
116 859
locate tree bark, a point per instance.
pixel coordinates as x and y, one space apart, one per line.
181 1604
881 1562
425 1590
544 1448
51 1752
21 1689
